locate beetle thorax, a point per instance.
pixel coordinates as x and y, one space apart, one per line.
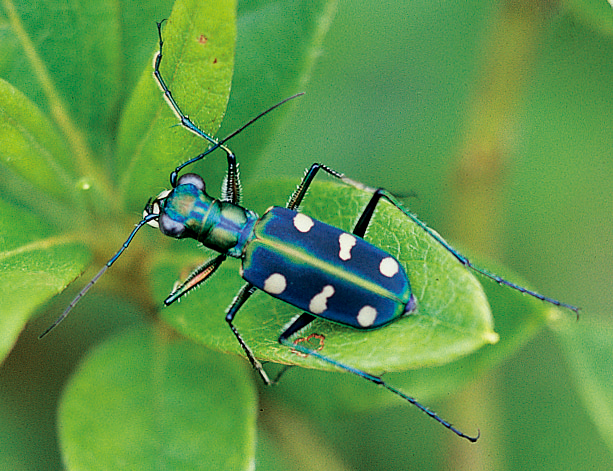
189 211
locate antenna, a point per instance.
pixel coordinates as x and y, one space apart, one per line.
220 144
151 216
88 286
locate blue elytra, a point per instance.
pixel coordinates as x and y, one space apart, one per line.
325 271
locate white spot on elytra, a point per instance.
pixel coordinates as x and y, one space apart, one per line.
319 303
275 284
367 316
346 243
303 223
388 267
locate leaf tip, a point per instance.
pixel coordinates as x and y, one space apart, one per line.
491 337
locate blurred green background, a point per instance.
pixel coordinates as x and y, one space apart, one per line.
496 116
402 93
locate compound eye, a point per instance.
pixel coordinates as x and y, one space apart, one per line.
170 227
192 179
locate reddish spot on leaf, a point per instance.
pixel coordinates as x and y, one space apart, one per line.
313 339
215 61
203 39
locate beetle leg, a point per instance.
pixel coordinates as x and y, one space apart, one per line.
364 220
183 118
243 295
373 379
298 324
301 191
378 193
197 277
231 186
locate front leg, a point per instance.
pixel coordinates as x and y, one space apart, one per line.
196 277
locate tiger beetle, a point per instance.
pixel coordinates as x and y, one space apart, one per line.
342 278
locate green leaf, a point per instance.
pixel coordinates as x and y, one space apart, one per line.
198 59
35 265
452 319
31 147
145 401
589 346
276 49
277 45
293 31
517 318
139 35
67 54
17 452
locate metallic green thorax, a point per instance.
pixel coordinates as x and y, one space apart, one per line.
218 225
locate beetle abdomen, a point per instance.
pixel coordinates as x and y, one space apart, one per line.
325 271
